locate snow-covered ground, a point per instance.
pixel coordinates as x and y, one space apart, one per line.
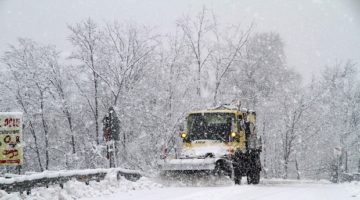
151 189
272 189
283 192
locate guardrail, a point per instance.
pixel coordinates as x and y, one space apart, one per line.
25 183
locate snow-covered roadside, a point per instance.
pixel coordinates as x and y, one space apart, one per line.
145 188
75 190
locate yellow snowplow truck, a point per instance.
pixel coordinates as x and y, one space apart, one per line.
219 141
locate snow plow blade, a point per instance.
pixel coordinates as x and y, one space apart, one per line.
187 164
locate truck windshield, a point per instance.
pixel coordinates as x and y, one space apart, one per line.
210 126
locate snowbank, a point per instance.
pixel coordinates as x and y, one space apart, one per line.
276 181
75 190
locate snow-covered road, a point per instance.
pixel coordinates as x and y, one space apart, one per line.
266 190
192 189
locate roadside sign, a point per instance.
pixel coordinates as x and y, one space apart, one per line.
11 145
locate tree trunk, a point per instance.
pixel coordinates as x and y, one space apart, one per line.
286 162
68 117
297 169
171 92
346 161
198 89
286 154
264 149
217 85
32 131
96 114
46 134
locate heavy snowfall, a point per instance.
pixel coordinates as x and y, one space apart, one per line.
151 78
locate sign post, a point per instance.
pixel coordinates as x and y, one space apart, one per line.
11 145
111 135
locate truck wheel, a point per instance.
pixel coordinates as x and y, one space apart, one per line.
219 169
249 178
253 177
237 176
256 178
237 180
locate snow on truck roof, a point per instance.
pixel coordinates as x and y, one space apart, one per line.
223 109
213 111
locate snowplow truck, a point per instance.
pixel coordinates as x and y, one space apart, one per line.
219 141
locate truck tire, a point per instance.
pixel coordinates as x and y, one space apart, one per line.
219 169
249 178
253 177
237 180
256 178
237 176
224 168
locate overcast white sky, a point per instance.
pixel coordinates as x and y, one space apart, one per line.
315 32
